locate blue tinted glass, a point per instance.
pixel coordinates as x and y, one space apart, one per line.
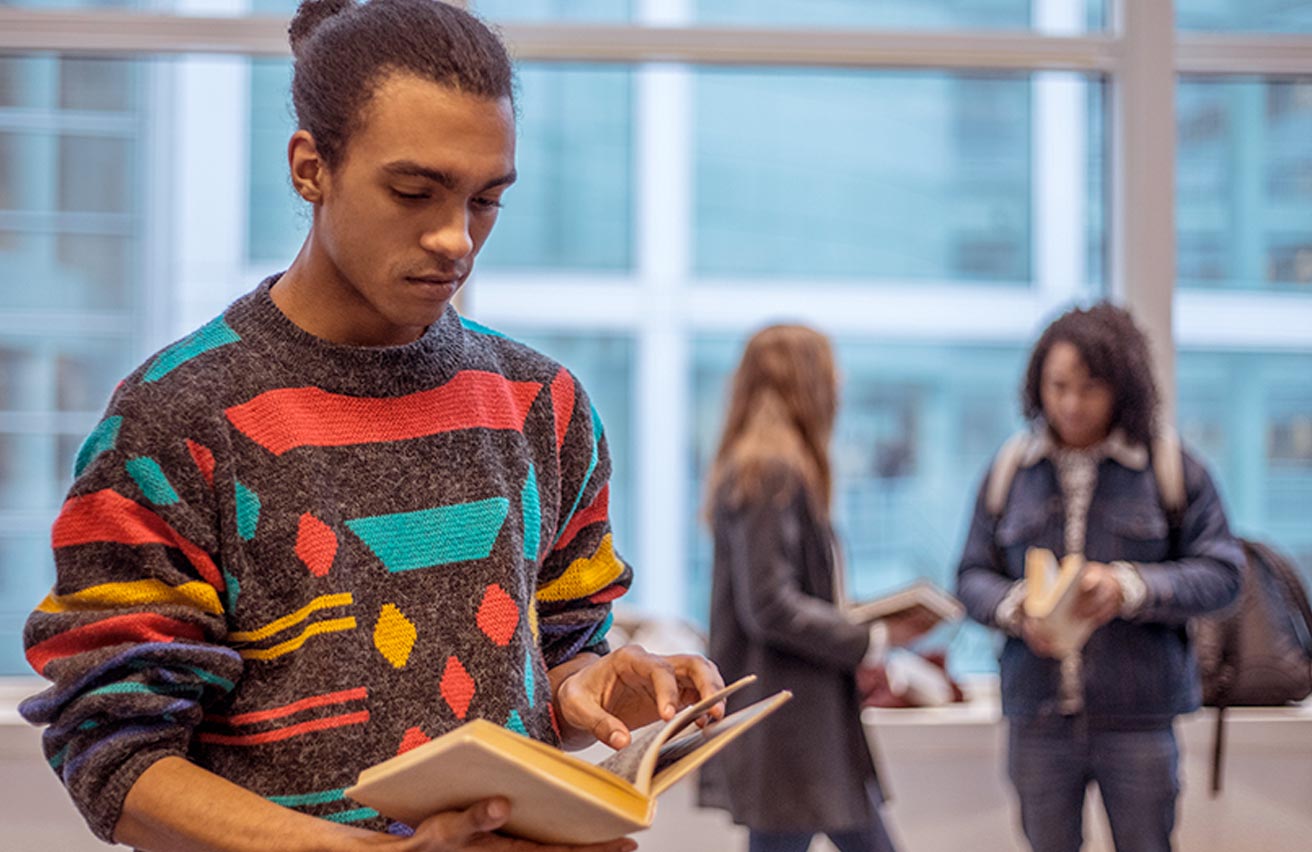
572 204
917 427
1272 16
885 175
596 11
897 14
278 218
1249 416
1244 185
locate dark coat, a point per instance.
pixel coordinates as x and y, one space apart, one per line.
808 767
1138 672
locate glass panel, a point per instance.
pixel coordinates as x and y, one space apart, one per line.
95 174
47 373
28 473
594 11
886 175
917 428
1244 185
1271 16
97 84
278 218
899 14
27 571
68 271
1249 416
604 365
572 205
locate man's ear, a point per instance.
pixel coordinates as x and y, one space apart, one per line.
309 172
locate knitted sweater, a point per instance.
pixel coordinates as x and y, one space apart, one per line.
286 559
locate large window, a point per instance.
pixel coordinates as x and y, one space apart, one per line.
688 175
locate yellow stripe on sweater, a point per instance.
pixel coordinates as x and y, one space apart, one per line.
334 625
585 576
195 594
321 602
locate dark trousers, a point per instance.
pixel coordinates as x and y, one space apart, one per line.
873 838
1052 762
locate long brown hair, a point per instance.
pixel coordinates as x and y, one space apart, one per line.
781 414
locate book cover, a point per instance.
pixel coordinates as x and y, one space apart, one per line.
921 593
554 797
1051 589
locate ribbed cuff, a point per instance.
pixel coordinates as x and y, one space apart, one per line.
1134 591
1008 613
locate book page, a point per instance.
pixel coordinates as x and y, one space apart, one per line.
626 762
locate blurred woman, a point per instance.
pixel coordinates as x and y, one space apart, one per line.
774 609
1083 483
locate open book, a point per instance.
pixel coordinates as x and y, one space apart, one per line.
1050 592
554 797
921 593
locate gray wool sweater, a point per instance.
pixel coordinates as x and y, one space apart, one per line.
286 560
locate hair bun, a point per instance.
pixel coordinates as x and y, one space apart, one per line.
309 15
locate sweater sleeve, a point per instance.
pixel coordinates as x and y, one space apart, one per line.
131 633
581 573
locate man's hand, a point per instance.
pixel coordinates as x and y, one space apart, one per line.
473 828
1100 595
609 696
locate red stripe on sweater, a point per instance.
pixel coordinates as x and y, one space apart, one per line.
562 403
107 516
607 594
295 707
598 511
203 458
287 732
284 419
137 628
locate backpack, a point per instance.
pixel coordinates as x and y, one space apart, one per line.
1256 652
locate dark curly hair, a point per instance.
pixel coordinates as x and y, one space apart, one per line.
1115 351
344 49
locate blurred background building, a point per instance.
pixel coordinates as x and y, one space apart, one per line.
930 218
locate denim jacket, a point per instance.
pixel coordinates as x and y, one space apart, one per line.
1139 671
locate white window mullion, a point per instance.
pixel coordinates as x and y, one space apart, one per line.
1143 137
1059 125
663 160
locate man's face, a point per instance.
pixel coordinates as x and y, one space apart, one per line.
1077 406
406 211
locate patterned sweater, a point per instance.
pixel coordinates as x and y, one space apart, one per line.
286 559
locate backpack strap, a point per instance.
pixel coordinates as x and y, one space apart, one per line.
1003 471
1168 470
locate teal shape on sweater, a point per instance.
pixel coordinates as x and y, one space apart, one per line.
150 478
430 537
528 676
208 337
532 508
516 724
101 439
248 512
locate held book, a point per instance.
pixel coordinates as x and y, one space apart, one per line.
554 797
1051 589
921 593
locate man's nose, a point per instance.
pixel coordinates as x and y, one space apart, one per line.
449 236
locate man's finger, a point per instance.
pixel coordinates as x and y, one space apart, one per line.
459 827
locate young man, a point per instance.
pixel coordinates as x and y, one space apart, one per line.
339 520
